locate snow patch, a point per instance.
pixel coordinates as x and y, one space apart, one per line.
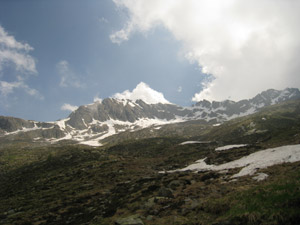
131 104
252 162
84 122
25 129
124 102
94 143
194 142
84 137
246 113
260 176
67 137
60 123
283 95
227 147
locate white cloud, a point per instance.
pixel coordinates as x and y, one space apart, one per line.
15 53
143 92
67 77
120 36
68 107
248 46
7 88
97 99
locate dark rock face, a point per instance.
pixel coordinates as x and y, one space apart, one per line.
99 129
129 111
126 111
11 124
227 109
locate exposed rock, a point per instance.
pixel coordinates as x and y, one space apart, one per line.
11 124
131 220
90 122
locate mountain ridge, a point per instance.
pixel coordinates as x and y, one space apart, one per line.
78 184
93 122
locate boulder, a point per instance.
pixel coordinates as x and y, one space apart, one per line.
131 220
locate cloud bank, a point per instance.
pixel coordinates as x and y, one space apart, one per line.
247 46
7 88
17 53
15 56
143 92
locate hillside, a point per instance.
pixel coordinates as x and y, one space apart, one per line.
134 178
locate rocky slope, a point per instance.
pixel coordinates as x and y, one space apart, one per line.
94 122
124 183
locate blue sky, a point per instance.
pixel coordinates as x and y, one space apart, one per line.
58 52
76 34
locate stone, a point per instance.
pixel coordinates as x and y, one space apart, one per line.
131 220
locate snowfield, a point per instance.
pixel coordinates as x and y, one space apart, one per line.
87 138
251 163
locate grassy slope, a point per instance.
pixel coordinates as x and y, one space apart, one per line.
82 185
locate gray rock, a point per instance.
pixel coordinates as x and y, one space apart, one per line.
131 220
131 111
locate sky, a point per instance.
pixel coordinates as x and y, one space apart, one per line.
57 55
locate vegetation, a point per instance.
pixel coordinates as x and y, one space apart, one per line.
74 184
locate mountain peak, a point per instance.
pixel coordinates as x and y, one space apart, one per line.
141 108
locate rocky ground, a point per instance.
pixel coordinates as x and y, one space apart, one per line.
122 184
81 185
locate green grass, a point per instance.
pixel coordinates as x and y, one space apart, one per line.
98 186
85 185
274 202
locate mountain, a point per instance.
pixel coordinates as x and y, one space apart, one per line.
94 122
243 171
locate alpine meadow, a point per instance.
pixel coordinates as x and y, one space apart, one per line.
138 112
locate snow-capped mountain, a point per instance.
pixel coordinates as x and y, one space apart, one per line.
91 123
